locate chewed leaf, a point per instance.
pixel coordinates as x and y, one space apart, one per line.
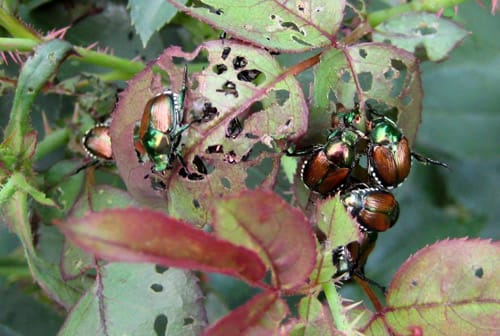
436 35
287 26
449 288
262 221
372 71
259 316
240 101
157 297
137 235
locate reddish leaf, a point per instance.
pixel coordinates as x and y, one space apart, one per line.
138 235
259 316
449 288
262 221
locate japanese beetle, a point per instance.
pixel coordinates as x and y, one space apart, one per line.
389 154
330 164
374 208
161 127
351 258
97 143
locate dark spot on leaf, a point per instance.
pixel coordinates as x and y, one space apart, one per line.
196 203
301 41
229 88
200 166
157 288
268 38
301 7
160 325
282 96
188 321
215 149
363 53
234 129
288 122
318 9
31 90
225 182
479 272
219 11
160 269
273 16
225 52
365 81
248 75
130 35
414 283
239 62
426 30
220 68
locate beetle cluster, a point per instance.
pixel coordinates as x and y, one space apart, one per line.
334 167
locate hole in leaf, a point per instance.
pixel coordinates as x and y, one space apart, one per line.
426 30
318 9
196 203
399 78
282 96
268 38
389 74
273 16
157 288
291 25
249 75
188 321
219 69
160 269
479 272
234 129
200 165
407 100
209 112
365 80
414 283
160 325
251 136
301 41
239 62
231 157
215 149
363 53
229 88
225 53
225 183
345 76
300 6
256 175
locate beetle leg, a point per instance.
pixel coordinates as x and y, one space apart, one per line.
306 151
425 160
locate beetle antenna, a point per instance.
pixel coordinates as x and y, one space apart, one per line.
427 161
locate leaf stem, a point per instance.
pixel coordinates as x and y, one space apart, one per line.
335 304
434 6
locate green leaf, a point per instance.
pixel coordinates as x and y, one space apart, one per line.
34 74
149 16
139 299
450 288
291 26
437 36
369 71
